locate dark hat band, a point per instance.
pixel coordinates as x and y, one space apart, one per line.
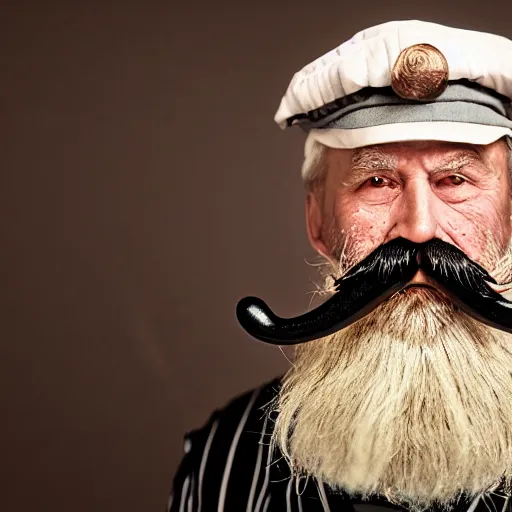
462 101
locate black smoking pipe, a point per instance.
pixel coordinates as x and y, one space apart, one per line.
384 272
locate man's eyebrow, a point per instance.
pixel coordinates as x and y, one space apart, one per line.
368 159
460 160
373 158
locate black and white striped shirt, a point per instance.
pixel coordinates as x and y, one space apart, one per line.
228 467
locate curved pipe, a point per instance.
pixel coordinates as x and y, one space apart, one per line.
464 281
383 273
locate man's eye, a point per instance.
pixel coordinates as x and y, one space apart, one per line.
454 180
378 181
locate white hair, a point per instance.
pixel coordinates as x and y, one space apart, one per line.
508 141
313 167
412 402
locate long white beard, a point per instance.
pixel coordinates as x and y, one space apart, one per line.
413 402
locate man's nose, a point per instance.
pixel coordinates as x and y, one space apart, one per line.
417 212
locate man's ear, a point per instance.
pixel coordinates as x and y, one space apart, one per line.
511 219
314 224
510 208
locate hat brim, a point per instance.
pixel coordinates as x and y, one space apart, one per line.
447 131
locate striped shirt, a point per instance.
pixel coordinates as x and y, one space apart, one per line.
228 467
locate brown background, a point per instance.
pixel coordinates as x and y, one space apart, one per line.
144 190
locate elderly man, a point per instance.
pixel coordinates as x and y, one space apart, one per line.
400 393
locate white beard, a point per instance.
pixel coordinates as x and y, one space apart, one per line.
413 402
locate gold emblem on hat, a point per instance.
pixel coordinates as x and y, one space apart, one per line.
420 73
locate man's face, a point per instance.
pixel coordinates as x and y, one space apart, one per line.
413 400
459 193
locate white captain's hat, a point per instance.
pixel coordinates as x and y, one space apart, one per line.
405 80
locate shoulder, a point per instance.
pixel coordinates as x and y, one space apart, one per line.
230 451
240 415
235 432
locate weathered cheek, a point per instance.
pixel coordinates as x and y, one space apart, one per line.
366 228
480 229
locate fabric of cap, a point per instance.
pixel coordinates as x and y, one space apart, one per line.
465 133
367 58
404 81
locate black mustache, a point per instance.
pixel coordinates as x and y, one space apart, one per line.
384 272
